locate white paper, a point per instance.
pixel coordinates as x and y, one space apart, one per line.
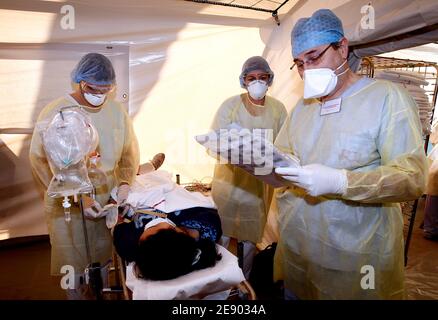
250 150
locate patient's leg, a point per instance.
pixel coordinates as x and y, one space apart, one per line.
153 164
146 168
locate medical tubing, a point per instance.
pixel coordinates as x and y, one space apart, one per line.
84 226
66 205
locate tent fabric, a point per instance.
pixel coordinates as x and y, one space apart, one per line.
392 18
171 67
396 27
176 63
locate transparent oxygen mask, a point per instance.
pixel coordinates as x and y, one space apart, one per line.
97 176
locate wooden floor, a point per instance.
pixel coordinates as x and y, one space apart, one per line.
24 272
421 276
24 269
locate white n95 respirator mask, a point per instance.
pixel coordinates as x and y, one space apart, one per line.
257 89
95 99
321 82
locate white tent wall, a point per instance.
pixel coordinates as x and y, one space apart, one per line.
25 65
185 59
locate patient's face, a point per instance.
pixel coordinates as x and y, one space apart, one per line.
164 225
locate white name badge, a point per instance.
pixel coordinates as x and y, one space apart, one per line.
331 106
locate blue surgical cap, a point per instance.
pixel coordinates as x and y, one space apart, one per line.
323 27
255 63
94 68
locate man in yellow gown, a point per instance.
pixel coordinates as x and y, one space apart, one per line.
360 146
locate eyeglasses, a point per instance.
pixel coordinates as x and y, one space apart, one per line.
263 77
311 60
94 89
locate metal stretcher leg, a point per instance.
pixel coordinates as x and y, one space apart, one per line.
243 291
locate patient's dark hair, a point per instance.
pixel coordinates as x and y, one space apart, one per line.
169 254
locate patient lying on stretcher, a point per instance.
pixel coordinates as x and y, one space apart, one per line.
176 236
167 247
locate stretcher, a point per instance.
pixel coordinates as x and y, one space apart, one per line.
223 281
191 287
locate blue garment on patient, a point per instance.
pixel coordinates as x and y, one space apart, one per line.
205 220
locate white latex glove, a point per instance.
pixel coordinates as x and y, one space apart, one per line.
112 216
316 179
122 193
94 211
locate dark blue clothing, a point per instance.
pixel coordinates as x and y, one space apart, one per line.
205 220
431 217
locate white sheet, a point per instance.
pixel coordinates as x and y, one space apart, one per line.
157 190
412 82
210 283
407 77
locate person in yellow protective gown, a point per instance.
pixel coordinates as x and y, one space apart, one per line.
243 200
361 150
119 157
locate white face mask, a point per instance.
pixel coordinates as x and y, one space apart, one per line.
95 99
257 89
321 82
156 221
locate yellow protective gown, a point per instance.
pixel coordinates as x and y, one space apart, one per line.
326 243
242 200
118 148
